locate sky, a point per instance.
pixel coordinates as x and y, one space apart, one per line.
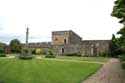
89 19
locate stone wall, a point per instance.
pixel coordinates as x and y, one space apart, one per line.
65 38
68 42
44 46
60 37
67 49
97 46
74 38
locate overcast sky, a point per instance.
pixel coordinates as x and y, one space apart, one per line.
88 18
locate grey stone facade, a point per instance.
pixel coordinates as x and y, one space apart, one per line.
68 42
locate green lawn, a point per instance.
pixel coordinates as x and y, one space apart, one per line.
44 71
95 59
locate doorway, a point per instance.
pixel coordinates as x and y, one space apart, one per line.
63 50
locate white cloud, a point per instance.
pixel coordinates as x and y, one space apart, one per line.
89 19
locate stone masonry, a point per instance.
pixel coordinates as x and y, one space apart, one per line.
68 43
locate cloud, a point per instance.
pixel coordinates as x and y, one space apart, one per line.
89 19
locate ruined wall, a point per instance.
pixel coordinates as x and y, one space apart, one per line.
65 37
60 37
98 47
67 49
74 38
74 44
68 42
44 46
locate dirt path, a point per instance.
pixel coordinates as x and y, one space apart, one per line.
109 73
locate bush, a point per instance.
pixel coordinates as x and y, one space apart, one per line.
25 57
2 55
73 54
102 53
122 59
50 54
25 54
2 51
123 65
38 51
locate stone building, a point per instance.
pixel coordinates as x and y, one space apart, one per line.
69 43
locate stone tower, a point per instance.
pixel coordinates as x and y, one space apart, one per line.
66 42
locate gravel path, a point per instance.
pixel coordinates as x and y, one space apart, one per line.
109 73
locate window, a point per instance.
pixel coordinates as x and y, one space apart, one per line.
64 41
56 39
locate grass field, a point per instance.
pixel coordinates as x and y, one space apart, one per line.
95 59
44 71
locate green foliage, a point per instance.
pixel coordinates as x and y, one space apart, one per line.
38 51
122 59
119 10
25 54
122 37
2 51
121 40
2 48
50 54
15 46
102 53
123 65
118 44
73 54
2 55
113 46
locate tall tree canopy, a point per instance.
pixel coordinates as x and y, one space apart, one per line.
122 37
113 46
119 10
15 45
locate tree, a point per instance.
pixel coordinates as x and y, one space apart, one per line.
113 46
2 47
119 10
122 38
15 46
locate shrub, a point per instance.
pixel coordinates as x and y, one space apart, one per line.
25 54
2 51
2 55
38 51
122 59
33 51
73 54
25 57
123 65
50 54
102 53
